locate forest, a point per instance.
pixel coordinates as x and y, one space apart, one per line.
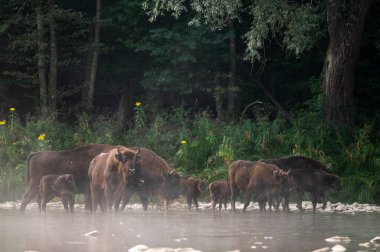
200 82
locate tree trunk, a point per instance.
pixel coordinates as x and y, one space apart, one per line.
53 63
232 75
122 111
345 20
40 59
89 85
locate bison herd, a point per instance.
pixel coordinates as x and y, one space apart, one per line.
109 175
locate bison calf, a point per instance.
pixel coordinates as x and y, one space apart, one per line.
192 188
219 192
62 186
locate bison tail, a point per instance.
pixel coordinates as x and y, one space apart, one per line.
28 167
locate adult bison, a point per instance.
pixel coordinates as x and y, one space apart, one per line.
108 174
62 186
154 178
316 182
75 162
304 167
220 191
191 189
255 177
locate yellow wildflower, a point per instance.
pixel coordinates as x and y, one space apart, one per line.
41 137
138 104
12 109
183 142
3 122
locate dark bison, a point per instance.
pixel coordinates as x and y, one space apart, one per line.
255 177
192 188
62 186
304 165
108 174
220 191
154 178
317 182
75 162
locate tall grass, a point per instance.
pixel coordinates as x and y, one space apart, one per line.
202 146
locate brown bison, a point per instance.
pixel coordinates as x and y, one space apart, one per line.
303 167
255 177
192 188
108 174
75 162
317 182
62 186
154 178
220 191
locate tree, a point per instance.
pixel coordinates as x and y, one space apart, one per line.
345 19
92 64
295 25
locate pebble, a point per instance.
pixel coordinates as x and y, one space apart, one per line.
325 249
93 233
206 206
375 240
338 239
138 248
338 248
365 244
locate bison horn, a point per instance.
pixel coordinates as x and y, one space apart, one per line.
170 173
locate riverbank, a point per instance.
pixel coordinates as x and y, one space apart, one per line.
354 208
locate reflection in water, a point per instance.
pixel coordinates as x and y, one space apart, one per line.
203 231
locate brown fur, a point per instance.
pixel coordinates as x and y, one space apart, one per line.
220 191
154 178
302 168
192 188
62 186
108 174
75 162
255 177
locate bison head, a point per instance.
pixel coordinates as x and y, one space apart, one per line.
333 181
65 181
172 184
202 185
129 158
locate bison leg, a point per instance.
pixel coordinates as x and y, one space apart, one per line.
195 199
127 196
144 201
39 198
314 198
71 203
189 201
285 203
300 194
233 195
247 200
65 203
109 199
29 195
225 203
213 202
220 203
322 195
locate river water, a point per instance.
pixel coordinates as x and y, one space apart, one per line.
204 231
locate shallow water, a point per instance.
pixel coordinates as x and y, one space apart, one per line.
206 231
